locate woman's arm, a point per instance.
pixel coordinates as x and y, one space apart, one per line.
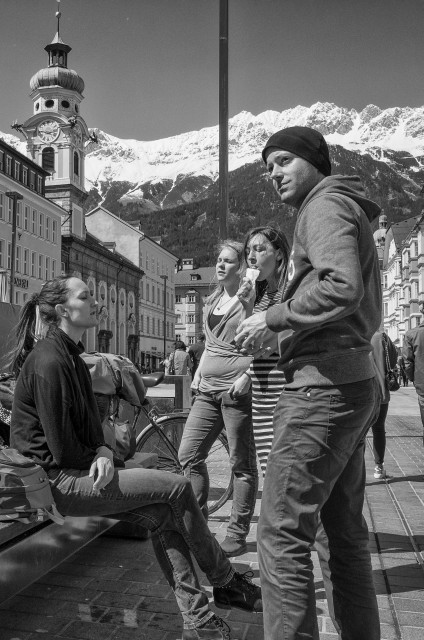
198 374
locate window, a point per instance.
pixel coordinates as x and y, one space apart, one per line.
147 325
191 339
177 299
26 262
33 261
147 292
153 326
141 289
39 184
54 231
191 297
17 171
32 180
34 221
18 255
2 256
142 324
190 318
153 264
179 319
26 218
1 160
76 163
47 269
9 165
40 267
47 228
9 209
41 225
147 261
19 214
9 255
1 206
153 293
25 175
54 269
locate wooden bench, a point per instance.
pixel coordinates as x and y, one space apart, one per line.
29 551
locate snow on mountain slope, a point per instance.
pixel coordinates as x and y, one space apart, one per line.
145 165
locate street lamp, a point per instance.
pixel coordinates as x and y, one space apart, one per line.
15 196
164 278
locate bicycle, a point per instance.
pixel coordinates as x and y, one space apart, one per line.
163 436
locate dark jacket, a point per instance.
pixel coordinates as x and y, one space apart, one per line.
55 420
332 294
413 355
379 354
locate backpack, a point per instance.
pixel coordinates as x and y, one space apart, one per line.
25 493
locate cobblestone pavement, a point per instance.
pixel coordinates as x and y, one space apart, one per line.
114 590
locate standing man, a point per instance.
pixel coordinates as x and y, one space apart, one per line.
413 356
196 351
331 307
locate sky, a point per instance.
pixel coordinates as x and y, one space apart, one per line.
151 67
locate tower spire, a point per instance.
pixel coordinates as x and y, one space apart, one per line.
58 16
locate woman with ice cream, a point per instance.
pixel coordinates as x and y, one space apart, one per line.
224 399
266 252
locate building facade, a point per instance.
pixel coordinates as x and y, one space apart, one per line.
403 277
29 229
157 289
192 288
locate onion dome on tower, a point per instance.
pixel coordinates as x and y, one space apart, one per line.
57 73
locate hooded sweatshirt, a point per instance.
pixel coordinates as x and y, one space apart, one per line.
332 294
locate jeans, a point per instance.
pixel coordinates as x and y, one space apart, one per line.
165 504
317 465
379 434
421 406
208 416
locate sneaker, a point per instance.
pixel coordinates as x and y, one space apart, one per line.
379 472
233 546
214 629
239 593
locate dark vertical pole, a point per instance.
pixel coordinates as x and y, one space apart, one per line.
223 118
164 278
14 196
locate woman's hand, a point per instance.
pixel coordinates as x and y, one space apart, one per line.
102 468
240 387
246 294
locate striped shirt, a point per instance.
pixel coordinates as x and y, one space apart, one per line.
267 385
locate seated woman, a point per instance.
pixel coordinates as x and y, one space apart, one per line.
55 421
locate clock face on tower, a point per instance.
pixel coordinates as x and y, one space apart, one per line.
48 130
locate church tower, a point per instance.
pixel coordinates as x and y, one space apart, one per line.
56 133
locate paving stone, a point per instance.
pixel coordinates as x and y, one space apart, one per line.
87 631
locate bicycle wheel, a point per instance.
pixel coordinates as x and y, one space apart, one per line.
220 476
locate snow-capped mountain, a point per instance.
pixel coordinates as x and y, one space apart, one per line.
164 173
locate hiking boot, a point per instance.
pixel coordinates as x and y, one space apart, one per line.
214 629
233 546
239 593
379 472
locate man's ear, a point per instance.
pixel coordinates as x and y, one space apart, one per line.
61 311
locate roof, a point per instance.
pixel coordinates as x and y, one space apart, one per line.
205 276
401 229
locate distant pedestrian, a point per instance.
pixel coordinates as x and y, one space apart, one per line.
413 355
383 350
196 351
403 376
331 307
179 360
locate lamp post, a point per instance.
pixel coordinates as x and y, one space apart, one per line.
15 196
164 278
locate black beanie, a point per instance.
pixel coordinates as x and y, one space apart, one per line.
304 142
